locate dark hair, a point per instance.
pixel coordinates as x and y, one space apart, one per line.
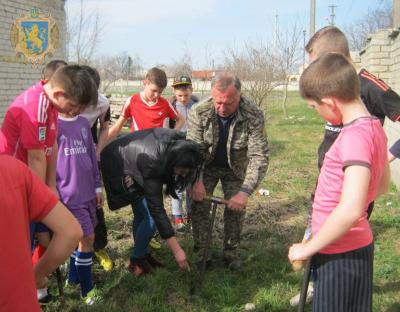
93 73
328 39
331 75
51 67
183 87
77 84
184 154
158 77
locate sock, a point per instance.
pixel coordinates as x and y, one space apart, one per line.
38 253
83 263
73 277
178 219
41 293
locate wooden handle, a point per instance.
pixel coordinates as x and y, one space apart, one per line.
298 265
217 200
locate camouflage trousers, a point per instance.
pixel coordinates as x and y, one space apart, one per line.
233 221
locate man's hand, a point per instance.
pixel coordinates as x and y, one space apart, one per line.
198 191
238 202
99 200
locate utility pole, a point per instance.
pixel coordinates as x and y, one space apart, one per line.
312 17
396 13
304 49
333 7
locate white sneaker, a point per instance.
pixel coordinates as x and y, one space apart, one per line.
296 299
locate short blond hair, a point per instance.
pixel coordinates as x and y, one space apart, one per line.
328 39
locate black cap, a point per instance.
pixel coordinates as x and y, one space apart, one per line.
182 81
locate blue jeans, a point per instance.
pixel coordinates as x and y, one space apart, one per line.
143 227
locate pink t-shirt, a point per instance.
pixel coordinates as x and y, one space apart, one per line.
361 142
147 115
30 123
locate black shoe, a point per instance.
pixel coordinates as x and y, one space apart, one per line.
47 299
153 262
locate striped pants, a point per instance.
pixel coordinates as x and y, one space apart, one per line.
343 282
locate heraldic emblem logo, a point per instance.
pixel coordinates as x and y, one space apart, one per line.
35 35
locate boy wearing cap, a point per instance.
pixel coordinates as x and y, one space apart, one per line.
182 101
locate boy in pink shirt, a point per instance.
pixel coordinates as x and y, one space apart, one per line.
354 172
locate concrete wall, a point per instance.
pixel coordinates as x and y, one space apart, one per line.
15 76
382 58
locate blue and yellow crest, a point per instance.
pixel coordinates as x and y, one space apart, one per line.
35 35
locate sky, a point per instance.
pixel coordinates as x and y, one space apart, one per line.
162 31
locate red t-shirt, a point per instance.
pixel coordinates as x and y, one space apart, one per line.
23 197
145 115
30 123
361 142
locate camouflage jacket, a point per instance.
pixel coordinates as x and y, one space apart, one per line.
247 146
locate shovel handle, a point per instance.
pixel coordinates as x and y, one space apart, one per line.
217 200
297 265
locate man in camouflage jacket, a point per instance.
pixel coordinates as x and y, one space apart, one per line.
230 129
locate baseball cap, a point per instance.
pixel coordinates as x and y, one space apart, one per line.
182 81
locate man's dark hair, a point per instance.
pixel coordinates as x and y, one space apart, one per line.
51 67
330 75
77 84
158 77
93 73
328 39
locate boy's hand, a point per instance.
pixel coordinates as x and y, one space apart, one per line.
41 281
99 200
298 252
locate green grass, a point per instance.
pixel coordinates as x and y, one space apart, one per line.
272 224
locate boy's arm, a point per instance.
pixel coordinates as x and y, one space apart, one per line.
52 169
349 210
180 121
37 163
96 171
115 128
103 137
66 234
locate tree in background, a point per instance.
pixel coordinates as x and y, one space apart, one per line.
262 67
84 29
118 67
376 18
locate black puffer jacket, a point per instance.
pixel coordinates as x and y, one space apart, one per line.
133 165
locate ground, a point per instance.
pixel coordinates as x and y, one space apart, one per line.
272 224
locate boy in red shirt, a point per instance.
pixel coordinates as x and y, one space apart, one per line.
29 128
354 172
25 198
148 109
